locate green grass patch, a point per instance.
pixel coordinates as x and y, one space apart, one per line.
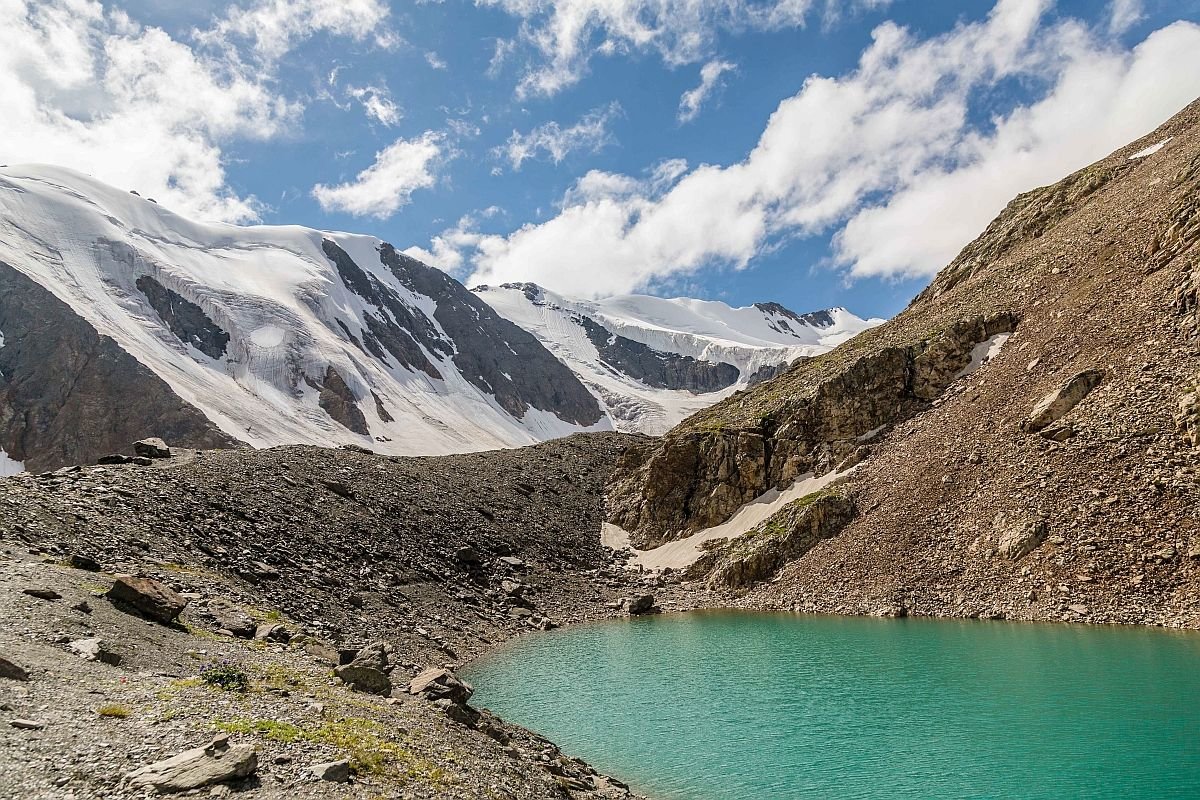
113 711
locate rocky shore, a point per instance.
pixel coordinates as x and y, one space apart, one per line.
289 622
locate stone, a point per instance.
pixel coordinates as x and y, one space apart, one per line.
152 448
12 670
438 683
114 458
27 724
272 632
333 771
83 607
148 597
217 762
80 561
94 649
639 604
364 679
460 713
1015 540
512 588
512 561
142 461
1078 609
467 555
1058 404
234 620
42 594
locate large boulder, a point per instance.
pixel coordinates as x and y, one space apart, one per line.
152 448
1058 404
216 762
438 683
639 604
1015 540
148 597
368 672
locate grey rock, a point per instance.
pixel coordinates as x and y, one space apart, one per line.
12 670
438 683
460 713
234 620
153 447
217 762
80 561
27 724
272 632
114 458
185 319
639 604
148 597
365 679
1057 404
141 461
94 649
42 593
333 771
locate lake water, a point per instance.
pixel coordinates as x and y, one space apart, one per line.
721 705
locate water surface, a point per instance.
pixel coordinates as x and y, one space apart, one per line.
724 706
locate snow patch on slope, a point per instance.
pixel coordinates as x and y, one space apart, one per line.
1151 150
683 552
9 466
983 353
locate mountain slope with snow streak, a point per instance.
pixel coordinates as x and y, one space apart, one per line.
654 361
276 334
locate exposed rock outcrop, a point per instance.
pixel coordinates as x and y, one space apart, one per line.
339 403
184 318
654 367
702 472
1058 404
69 395
759 553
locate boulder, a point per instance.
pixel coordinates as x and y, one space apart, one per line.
438 683
148 597
114 458
272 632
467 555
1059 403
1015 540
365 679
333 771
42 594
457 712
80 561
94 649
12 670
640 604
234 620
216 762
152 448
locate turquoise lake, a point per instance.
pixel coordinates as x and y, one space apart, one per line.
722 705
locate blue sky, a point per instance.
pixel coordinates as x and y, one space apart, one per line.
811 152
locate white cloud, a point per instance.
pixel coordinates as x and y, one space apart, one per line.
710 76
590 133
435 61
383 188
275 26
377 103
92 89
1124 14
566 34
888 157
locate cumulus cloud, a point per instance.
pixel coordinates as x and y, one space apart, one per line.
590 133
710 78
387 185
92 89
566 34
888 158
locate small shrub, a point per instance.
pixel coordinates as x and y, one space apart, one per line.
113 710
227 676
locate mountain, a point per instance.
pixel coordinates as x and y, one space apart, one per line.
1020 442
121 319
652 361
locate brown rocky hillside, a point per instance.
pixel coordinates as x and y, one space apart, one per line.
979 494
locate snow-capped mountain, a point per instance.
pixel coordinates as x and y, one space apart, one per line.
121 319
652 361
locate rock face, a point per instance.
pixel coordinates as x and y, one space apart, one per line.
69 395
1059 403
185 319
706 469
758 554
217 762
438 683
655 367
339 403
148 597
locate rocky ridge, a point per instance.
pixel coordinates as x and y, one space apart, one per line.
1054 479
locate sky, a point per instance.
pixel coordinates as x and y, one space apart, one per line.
809 152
